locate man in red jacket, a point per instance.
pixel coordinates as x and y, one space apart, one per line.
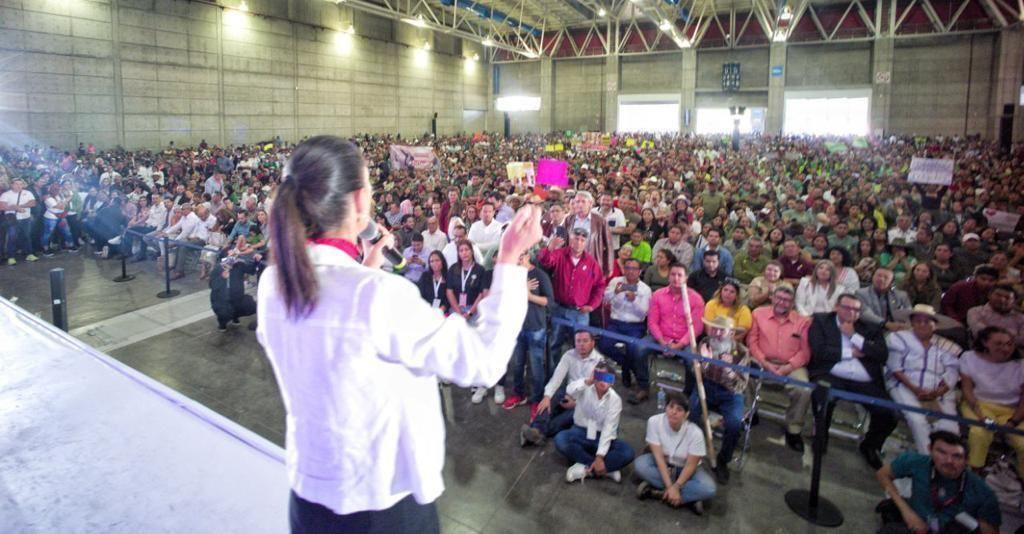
578 281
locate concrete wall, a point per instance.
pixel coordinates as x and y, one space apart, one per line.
660 73
146 72
828 66
579 95
942 87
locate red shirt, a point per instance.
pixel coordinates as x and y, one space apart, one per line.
576 285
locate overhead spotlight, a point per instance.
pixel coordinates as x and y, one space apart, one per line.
602 12
426 45
487 42
665 25
787 13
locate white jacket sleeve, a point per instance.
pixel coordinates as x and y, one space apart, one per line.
407 331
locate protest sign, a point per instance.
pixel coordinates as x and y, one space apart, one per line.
521 173
553 172
1002 221
416 157
596 141
931 171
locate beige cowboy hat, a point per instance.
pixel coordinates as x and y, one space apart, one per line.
942 322
724 322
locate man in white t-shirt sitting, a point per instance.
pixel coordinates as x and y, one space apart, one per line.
16 205
591 441
671 471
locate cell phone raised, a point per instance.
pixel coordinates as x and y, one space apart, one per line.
607 378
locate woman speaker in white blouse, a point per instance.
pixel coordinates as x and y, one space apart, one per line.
365 436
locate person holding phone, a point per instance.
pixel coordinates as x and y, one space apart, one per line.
629 299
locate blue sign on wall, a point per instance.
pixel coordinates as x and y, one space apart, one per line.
776 70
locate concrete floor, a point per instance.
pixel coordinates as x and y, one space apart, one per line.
492 484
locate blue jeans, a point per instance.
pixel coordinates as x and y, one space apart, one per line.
560 331
700 487
49 225
632 359
574 445
530 343
727 403
556 419
18 237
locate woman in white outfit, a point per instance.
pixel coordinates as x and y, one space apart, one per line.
365 435
818 291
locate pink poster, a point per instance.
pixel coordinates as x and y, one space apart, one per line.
553 172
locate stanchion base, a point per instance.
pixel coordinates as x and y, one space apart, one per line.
168 294
825 515
125 278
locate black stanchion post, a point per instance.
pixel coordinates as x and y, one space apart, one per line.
125 277
58 298
168 292
809 504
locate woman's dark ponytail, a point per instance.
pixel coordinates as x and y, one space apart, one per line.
311 199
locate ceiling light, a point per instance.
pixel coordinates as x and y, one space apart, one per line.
602 12
682 42
418 21
665 25
476 57
243 6
787 13
487 42
426 45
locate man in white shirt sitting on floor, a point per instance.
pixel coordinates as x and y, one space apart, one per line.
591 442
555 411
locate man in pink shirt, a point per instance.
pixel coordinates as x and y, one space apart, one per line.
667 325
778 341
578 281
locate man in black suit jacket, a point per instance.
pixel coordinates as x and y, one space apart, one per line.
850 354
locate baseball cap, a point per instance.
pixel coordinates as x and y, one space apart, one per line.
970 236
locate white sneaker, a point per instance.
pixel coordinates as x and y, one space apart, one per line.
478 395
616 477
499 394
576 472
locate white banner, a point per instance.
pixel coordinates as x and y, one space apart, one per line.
417 157
1002 221
931 171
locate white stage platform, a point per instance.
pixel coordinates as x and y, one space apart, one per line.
90 445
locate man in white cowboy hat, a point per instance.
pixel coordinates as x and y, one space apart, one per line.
923 370
723 386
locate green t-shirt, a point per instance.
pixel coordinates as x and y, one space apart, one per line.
641 252
978 501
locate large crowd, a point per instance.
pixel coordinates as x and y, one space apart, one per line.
810 258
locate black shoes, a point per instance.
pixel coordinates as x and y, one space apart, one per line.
721 472
871 455
795 442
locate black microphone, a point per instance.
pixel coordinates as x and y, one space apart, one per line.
372 234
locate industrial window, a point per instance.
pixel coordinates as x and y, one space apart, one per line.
648 114
712 121
828 113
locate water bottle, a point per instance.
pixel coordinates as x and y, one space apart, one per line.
661 399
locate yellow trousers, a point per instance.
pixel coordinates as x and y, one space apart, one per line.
979 439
